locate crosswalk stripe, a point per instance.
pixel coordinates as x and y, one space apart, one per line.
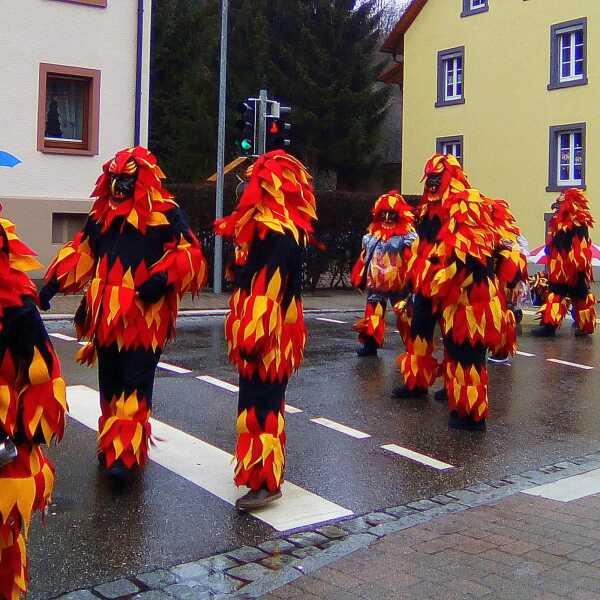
63 337
569 488
173 368
521 353
418 457
359 435
292 409
329 320
210 468
219 383
569 364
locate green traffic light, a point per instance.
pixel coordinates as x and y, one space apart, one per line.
246 145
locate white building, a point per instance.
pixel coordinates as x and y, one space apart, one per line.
74 81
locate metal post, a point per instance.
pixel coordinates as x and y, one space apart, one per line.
262 121
218 259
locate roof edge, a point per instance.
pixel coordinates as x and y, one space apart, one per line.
394 43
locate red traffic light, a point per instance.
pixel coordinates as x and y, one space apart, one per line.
274 127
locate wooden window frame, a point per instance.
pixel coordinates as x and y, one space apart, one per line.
98 3
91 118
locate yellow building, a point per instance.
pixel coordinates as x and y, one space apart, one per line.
513 87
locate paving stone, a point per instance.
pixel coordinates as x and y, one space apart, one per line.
78 595
277 546
479 487
442 499
249 572
587 555
247 554
466 497
221 583
536 476
307 538
402 511
153 595
332 532
306 551
358 525
497 483
157 579
219 562
257 589
115 589
192 571
422 505
378 518
189 591
278 561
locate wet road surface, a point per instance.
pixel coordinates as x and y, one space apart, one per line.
541 412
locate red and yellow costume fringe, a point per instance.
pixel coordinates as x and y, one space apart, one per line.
32 408
381 266
569 269
124 248
265 329
452 272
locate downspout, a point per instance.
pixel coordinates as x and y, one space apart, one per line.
138 73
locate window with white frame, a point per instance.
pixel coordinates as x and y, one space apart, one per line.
451 145
478 4
568 54
474 7
567 157
450 76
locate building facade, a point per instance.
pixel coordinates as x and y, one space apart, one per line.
509 86
74 89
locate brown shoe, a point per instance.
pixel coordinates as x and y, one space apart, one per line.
257 499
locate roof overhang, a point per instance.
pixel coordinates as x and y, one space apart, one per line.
394 43
394 73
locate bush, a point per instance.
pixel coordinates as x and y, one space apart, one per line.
343 218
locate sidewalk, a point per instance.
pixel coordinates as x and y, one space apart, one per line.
326 300
519 548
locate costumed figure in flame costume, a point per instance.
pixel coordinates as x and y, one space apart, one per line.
137 256
452 273
265 329
569 269
32 409
381 267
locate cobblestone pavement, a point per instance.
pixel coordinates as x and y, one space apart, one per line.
486 540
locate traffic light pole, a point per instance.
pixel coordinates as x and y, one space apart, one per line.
262 121
218 255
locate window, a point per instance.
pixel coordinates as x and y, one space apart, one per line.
66 225
567 157
474 7
450 77
451 145
568 54
68 110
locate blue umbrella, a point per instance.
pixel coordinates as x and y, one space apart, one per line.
8 160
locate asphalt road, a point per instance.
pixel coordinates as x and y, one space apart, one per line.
541 412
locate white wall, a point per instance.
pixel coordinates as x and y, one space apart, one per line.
51 31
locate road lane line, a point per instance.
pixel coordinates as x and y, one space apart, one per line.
219 383
63 337
292 409
329 320
210 468
569 488
521 353
173 368
359 435
569 364
417 457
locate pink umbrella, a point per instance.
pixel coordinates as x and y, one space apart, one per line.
537 256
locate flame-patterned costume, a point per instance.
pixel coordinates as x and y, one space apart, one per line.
265 329
569 269
381 266
137 256
32 408
452 272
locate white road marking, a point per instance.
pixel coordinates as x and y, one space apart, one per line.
569 364
292 409
210 468
63 337
329 320
569 488
521 353
219 383
417 457
359 435
83 343
173 368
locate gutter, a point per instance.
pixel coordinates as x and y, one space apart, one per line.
138 73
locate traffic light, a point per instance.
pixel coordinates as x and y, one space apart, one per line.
246 142
277 129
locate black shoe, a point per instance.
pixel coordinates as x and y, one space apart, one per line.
405 392
257 499
543 331
465 423
118 472
441 395
579 333
369 348
518 315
